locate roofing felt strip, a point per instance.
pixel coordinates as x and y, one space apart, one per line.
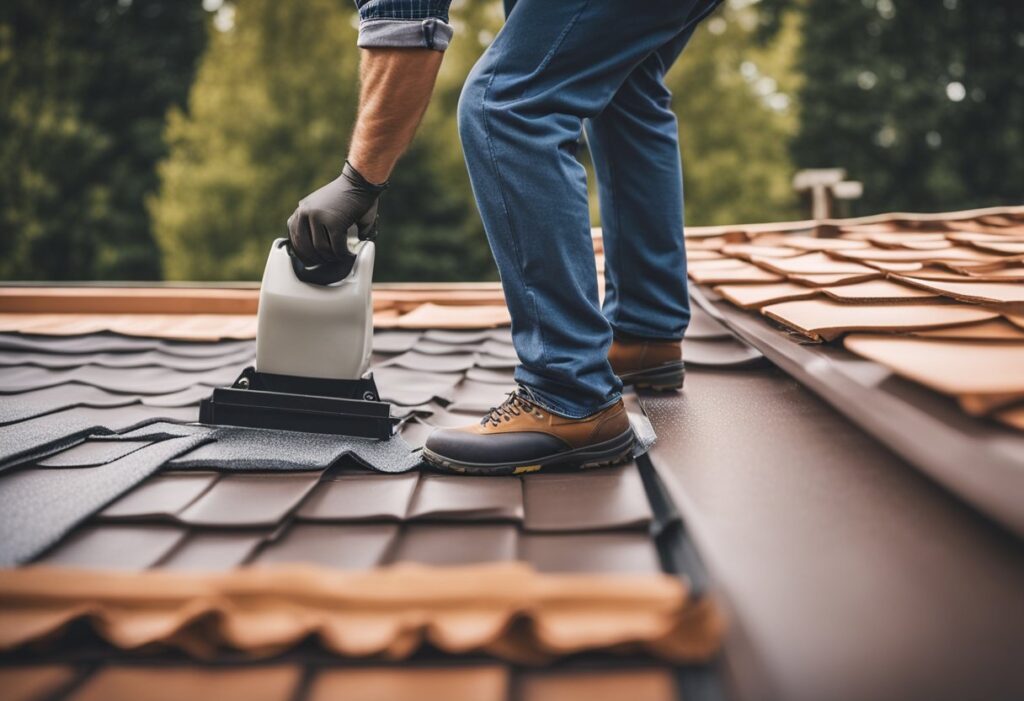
981 375
45 435
234 448
390 612
92 453
824 319
38 507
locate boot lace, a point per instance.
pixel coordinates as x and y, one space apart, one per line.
515 404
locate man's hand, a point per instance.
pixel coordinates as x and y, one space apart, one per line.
320 226
394 93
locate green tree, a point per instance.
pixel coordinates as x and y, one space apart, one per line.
84 88
734 95
922 101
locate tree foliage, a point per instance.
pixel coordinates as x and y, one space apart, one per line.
84 89
921 101
734 97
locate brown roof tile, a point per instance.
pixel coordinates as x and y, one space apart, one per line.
390 612
980 374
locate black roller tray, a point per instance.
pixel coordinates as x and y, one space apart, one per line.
289 403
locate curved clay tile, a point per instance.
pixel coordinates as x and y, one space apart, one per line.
506 610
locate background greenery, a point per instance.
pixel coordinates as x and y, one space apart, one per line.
147 139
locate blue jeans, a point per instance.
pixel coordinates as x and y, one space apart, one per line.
555 66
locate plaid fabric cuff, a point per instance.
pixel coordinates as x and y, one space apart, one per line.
429 33
403 9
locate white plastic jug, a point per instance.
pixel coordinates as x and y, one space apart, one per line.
319 331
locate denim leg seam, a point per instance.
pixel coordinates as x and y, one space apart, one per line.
504 203
561 38
500 181
618 225
560 409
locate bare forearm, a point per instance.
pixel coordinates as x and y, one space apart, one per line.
396 85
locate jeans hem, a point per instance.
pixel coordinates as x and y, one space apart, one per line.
626 334
558 407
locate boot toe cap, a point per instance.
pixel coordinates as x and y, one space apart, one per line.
460 446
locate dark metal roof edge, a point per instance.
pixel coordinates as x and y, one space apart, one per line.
990 479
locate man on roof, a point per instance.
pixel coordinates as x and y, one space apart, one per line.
554 70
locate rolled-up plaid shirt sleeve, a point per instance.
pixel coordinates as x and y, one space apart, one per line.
403 24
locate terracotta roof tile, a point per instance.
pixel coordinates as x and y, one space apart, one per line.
826 319
969 263
980 374
389 612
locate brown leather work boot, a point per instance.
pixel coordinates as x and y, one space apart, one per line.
519 436
648 364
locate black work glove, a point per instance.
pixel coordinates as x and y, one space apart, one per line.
320 226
